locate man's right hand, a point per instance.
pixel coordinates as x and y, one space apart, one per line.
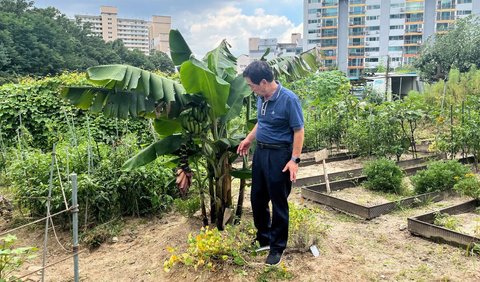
243 147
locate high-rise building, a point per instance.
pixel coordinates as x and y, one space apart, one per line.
360 35
257 47
135 33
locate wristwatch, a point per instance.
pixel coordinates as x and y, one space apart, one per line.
295 160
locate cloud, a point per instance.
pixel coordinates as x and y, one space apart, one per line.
203 23
205 31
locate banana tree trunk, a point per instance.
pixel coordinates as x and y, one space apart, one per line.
224 193
211 189
241 196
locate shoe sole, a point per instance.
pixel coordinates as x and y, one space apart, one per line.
263 249
277 264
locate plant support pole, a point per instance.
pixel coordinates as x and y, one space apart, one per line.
45 242
75 226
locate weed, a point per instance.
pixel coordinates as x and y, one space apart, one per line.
100 234
473 249
446 220
274 273
304 229
12 258
211 248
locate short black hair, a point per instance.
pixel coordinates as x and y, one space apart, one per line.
258 70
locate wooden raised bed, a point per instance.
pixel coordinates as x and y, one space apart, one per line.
422 225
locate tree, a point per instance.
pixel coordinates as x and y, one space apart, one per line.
42 42
458 48
161 61
192 117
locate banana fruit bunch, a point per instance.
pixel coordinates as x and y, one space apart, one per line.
183 173
195 120
184 180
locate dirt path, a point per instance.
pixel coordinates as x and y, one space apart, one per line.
381 249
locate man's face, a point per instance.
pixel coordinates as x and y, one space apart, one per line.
258 89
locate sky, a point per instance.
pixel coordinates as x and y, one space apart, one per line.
204 24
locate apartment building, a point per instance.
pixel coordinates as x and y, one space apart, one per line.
257 47
135 33
359 35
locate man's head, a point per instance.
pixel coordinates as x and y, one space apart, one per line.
259 77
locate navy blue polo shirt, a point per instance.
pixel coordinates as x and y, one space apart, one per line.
278 117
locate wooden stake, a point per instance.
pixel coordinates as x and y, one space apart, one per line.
321 156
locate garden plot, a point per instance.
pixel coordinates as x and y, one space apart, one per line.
362 202
336 171
461 224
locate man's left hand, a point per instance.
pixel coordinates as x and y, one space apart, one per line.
293 168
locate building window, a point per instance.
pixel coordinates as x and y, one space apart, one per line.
400 37
371 60
372 49
373 7
464 12
395 48
372 18
396 27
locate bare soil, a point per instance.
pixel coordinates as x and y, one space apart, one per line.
381 249
469 223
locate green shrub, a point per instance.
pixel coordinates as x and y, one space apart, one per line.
470 186
383 175
104 193
439 176
187 207
36 107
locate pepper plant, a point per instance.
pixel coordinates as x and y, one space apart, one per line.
191 116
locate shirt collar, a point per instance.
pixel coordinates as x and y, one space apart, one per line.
276 93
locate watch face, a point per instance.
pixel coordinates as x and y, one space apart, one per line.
297 160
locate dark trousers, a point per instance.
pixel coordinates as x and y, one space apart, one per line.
269 183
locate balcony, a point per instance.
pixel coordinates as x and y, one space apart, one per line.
413 42
446 18
449 6
356 54
361 33
356 2
355 23
414 19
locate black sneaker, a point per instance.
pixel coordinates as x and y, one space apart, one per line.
263 249
273 259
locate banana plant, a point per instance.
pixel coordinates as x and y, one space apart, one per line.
191 116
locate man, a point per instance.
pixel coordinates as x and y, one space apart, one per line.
279 133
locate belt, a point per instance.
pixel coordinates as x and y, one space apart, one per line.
273 146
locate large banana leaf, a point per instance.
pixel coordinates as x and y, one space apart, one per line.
124 91
294 67
197 78
179 50
166 146
222 62
239 89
